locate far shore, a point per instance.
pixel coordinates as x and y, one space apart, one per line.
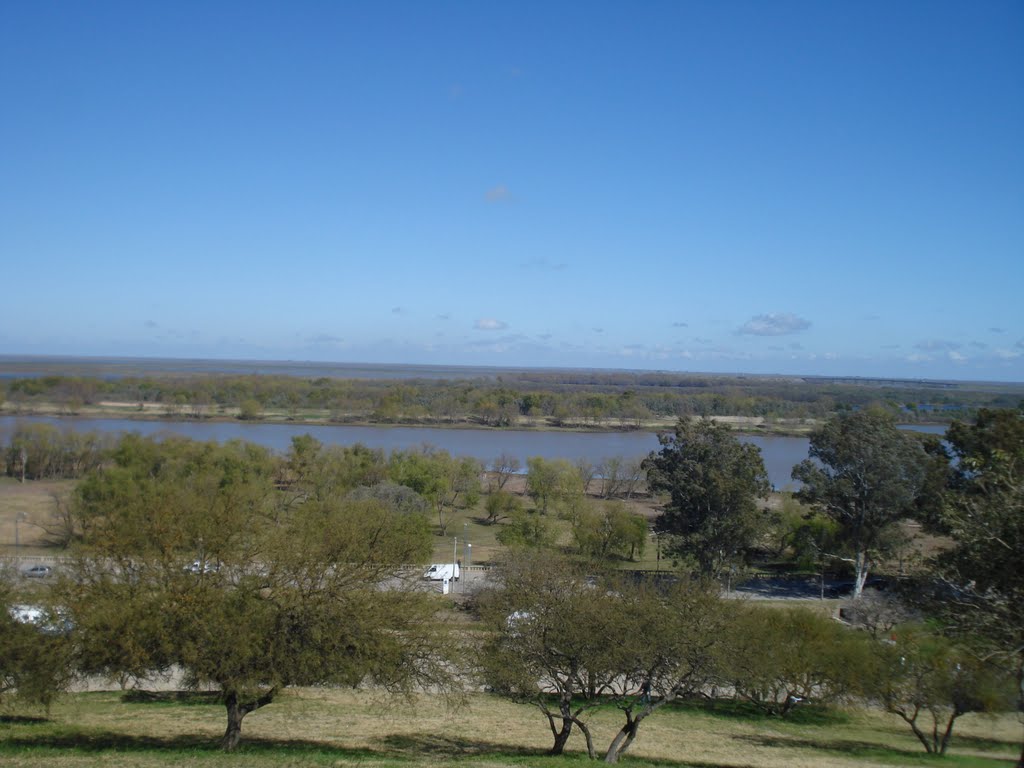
752 425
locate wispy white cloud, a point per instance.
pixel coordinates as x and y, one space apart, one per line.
774 324
997 330
545 265
444 316
680 325
490 324
936 345
498 194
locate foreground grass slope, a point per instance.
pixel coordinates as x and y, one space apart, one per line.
332 727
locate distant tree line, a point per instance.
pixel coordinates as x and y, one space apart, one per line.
622 400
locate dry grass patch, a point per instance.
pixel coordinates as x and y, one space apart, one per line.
34 501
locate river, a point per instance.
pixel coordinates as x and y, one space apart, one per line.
779 453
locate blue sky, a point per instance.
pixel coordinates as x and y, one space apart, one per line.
790 187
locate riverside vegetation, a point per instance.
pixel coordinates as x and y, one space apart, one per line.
549 399
252 577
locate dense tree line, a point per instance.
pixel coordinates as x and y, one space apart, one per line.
576 398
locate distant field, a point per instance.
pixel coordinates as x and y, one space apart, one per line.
344 727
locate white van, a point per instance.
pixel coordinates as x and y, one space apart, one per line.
442 571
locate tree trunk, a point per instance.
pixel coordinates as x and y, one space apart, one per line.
921 736
861 567
236 711
561 737
948 733
586 734
621 741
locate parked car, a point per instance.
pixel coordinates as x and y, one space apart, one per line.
442 571
200 566
37 572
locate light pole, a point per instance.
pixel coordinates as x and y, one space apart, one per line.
17 539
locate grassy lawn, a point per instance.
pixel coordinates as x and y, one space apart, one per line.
341 728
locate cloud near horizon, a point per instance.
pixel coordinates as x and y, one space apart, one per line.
774 324
324 338
936 345
490 324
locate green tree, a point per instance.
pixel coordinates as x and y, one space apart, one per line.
608 530
980 582
34 657
662 646
500 505
526 528
776 658
190 558
250 410
548 638
713 482
567 642
924 674
866 475
553 484
447 483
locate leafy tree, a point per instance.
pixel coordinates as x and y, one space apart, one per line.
980 582
34 658
250 410
500 505
447 483
922 673
553 483
526 528
866 475
663 645
568 642
713 482
191 558
607 530
777 658
502 470
549 635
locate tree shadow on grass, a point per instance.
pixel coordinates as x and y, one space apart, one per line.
23 720
187 698
103 741
848 747
805 714
450 746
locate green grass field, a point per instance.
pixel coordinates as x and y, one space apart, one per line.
327 727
